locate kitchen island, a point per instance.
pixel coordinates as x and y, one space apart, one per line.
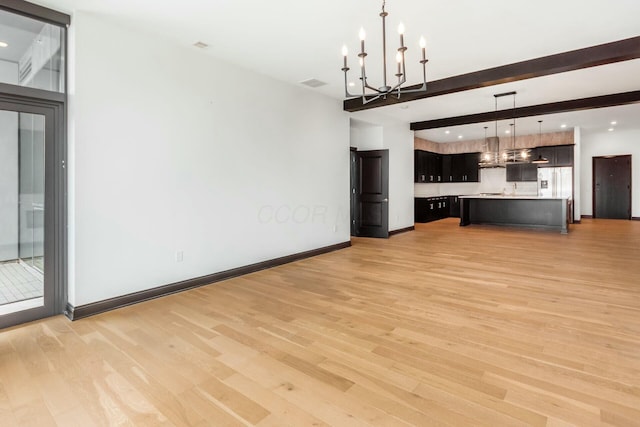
517 211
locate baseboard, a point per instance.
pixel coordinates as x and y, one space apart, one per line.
586 216
86 310
635 218
577 221
401 230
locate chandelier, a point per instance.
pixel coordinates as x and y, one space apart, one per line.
370 93
492 156
513 154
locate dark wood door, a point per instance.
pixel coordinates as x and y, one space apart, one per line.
373 195
612 187
354 191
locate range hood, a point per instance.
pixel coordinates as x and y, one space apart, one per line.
490 158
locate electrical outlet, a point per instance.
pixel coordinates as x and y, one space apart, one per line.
179 256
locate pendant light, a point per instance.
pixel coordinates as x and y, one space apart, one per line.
540 159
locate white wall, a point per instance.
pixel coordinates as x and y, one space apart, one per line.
398 138
595 144
577 173
373 131
171 150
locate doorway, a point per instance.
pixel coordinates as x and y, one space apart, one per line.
370 193
30 213
612 187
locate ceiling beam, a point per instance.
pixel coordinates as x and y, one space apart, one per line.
612 100
608 53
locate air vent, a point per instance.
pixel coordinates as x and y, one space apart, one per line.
24 69
201 45
313 83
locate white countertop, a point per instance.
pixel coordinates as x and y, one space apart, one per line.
509 197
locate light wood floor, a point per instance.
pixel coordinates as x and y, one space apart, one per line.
441 326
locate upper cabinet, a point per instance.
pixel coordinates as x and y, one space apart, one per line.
558 155
427 167
434 168
519 172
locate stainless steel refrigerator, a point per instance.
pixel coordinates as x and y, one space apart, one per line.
555 182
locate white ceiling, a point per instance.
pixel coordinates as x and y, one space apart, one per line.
18 32
295 40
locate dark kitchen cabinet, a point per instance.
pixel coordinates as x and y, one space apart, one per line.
564 155
558 155
447 168
454 206
519 172
419 174
471 168
460 167
420 209
427 209
427 167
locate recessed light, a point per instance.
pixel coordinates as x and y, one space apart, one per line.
351 84
459 136
507 131
404 107
610 129
4 44
447 132
614 123
563 126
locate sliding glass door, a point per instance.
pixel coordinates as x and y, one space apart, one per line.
33 183
28 284
31 207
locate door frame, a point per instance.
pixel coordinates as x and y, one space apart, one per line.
593 182
364 231
55 237
354 190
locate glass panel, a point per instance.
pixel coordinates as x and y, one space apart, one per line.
31 53
22 179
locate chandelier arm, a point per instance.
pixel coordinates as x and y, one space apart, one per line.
366 101
346 86
363 78
381 92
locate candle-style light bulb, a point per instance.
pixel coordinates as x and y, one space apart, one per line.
399 61
401 32
363 35
345 52
423 46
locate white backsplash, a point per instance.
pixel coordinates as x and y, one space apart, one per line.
492 180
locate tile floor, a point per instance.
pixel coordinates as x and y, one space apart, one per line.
18 284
